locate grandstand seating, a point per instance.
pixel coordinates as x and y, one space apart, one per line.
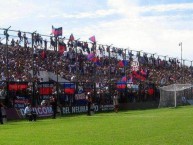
90 64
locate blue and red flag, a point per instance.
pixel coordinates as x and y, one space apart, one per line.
69 88
121 86
138 76
57 31
122 63
91 56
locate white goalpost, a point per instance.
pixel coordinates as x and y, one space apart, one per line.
175 95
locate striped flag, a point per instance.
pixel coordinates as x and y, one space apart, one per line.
69 88
56 31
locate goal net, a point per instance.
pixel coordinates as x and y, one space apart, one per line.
175 95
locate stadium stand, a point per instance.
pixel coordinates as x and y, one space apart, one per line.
100 69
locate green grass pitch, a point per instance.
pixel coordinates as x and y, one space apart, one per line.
169 126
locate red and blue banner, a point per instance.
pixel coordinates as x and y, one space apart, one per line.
121 86
138 76
69 88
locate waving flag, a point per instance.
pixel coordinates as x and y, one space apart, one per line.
61 47
122 63
138 76
71 37
56 31
92 38
91 56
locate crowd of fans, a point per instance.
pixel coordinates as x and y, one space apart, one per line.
86 62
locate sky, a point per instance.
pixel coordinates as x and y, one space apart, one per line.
153 26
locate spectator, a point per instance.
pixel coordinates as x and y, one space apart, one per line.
53 103
29 113
19 35
1 115
0 41
12 42
116 102
43 103
89 103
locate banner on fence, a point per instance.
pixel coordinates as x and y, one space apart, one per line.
18 113
69 88
45 88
